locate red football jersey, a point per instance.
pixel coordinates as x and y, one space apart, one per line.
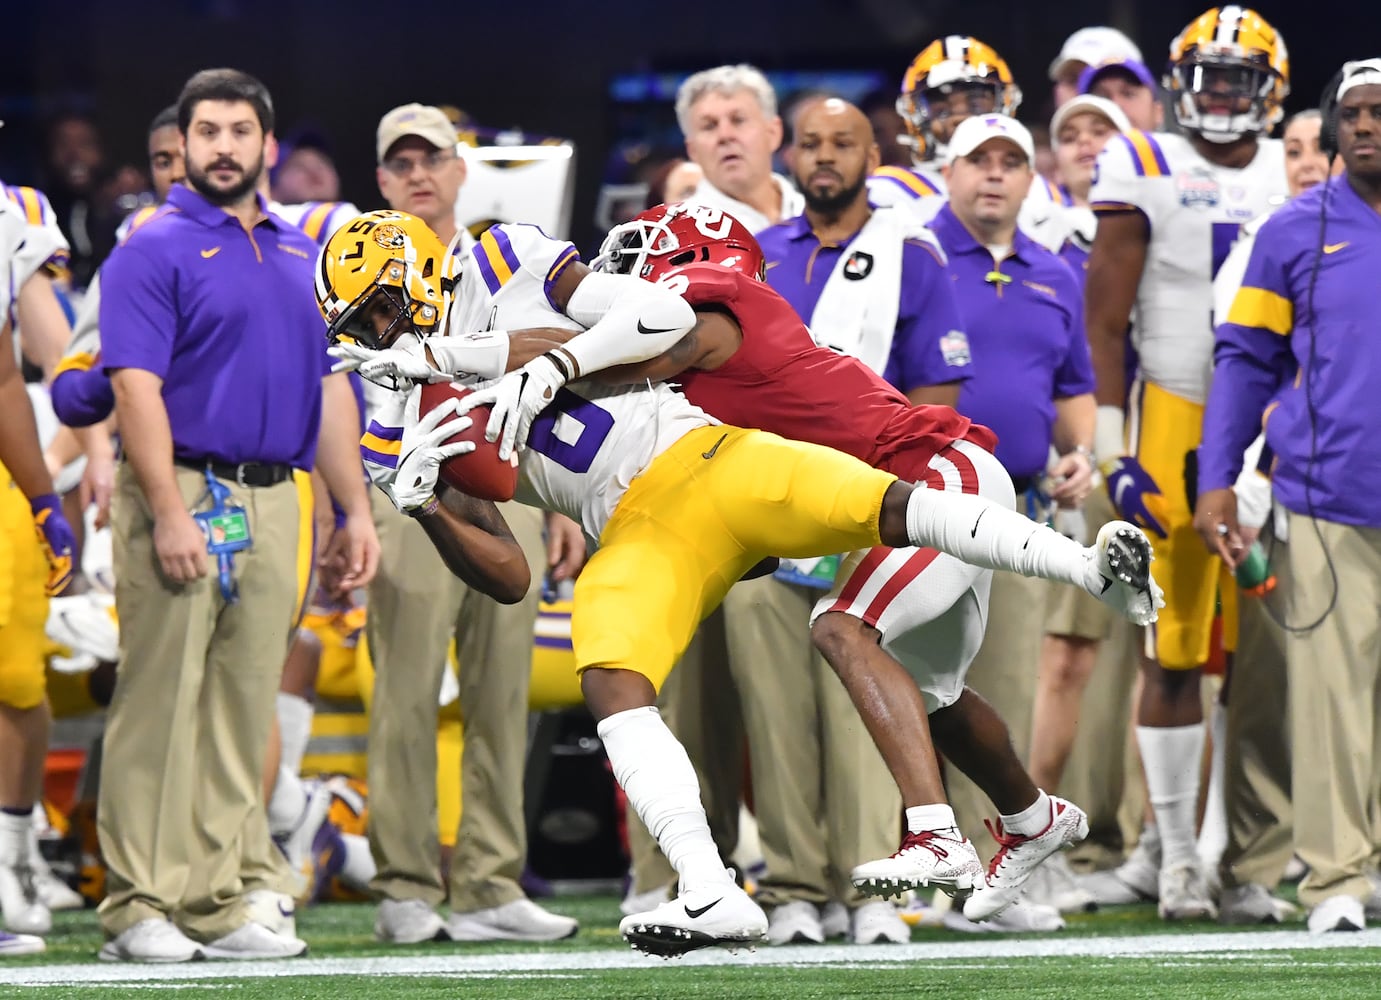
780 381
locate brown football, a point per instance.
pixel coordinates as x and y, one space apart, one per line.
480 473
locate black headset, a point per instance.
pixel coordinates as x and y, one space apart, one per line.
1328 108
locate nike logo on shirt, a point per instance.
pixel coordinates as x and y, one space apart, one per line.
1334 247
710 454
208 254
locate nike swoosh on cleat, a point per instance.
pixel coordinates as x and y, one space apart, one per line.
653 330
974 532
702 910
710 454
1107 582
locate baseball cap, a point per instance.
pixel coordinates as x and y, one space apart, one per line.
1133 66
421 120
1094 46
1359 74
974 132
1089 102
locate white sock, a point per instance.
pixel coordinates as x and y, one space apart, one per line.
652 768
287 803
14 837
1213 833
294 729
1031 820
358 868
936 816
983 533
1172 757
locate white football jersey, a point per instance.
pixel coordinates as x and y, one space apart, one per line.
589 445
1196 211
903 185
318 219
43 244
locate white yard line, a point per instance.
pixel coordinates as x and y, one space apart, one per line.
1211 945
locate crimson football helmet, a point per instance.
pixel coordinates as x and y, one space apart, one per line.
666 237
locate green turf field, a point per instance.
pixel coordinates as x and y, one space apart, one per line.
1124 952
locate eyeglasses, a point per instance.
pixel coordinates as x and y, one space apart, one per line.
402 166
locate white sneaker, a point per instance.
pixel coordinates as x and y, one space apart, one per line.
255 941
879 922
1121 573
274 910
1018 856
1136 880
520 920
1338 913
408 921
1016 918
152 940
835 920
20 944
1053 884
924 859
20 903
1184 893
1253 904
718 915
1295 869
796 922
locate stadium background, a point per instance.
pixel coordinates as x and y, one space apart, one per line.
543 66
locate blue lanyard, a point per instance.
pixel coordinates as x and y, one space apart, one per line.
226 528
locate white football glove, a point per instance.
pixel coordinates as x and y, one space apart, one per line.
400 364
423 450
516 400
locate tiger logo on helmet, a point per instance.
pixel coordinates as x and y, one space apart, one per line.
666 237
955 64
1229 74
381 275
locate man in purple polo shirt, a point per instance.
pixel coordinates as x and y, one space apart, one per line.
225 400
1032 383
871 284
1297 350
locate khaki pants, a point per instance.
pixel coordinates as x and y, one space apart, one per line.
1334 679
1256 775
415 606
1004 673
189 722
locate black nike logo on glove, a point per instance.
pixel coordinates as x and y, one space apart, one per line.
644 329
701 911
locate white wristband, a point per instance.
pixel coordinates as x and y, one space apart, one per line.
483 354
1109 435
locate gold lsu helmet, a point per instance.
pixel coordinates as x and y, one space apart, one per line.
383 257
1228 52
942 67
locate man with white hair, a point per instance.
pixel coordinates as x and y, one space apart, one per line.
729 118
1087 47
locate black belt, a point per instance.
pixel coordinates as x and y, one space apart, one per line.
245 474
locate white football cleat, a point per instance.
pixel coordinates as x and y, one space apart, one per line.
1018 856
718 915
153 940
1120 573
519 920
928 858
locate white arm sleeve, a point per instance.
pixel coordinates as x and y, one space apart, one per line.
628 320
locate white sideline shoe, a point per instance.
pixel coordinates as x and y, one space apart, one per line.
1338 913
879 922
1136 880
20 903
255 941
1018 856
1184 894
520 920
275 911
924 859
20 944
1253 904
718 915
835 920
407 921
1121 559
152 940
1053 884
796 922
1019 917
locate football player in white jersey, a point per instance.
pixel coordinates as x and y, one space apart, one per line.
1169 208
952 79
682 506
